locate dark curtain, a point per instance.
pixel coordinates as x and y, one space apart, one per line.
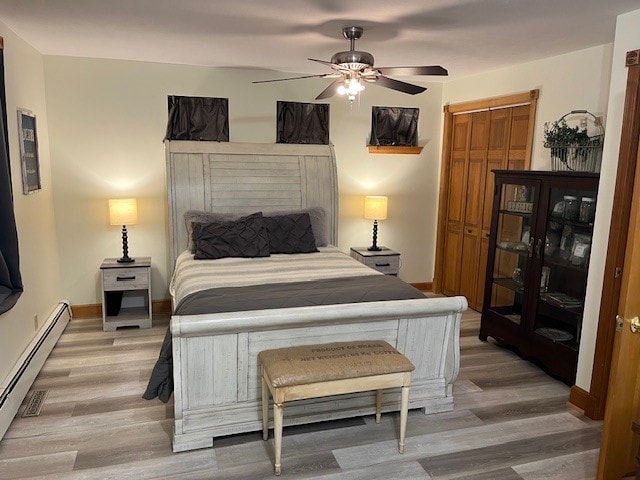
394 126
303 123
198 118
10 279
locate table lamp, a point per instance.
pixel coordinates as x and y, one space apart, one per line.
124 211
375 208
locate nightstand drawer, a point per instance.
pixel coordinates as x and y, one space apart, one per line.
125 279
389 264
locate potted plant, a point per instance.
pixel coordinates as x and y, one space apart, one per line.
571 147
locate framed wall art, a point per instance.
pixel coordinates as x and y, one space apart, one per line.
29 152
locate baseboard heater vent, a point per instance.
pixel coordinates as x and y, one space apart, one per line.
36 401
15 387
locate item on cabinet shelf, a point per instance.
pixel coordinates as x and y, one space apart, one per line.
555 226
554 334
565 242
563 300
558 209
544 279
526 234
580 249
517 276
521 193
571 208
520 207
587 210
519 246
552 241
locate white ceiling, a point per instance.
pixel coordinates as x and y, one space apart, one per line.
464 36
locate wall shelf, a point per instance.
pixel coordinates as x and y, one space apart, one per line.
394 150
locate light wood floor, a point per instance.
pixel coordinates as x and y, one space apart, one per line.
510 422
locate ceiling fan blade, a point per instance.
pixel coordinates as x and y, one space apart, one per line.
324 62
324 75
431 70
331 90
403 87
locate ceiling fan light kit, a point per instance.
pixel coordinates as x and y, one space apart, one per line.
352 68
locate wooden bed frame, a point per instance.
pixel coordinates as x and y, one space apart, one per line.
216 376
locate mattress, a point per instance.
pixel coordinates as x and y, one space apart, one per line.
191 276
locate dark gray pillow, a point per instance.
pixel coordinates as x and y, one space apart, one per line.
290 233
245 237
199 216
318 222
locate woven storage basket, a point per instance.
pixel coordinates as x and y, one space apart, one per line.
584 156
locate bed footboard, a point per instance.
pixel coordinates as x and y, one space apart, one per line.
217 379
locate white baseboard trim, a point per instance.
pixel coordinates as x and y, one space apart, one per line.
17 384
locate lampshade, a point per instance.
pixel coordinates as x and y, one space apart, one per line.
123 211
375 207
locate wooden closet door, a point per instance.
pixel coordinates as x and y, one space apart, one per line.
475 173
520 138
479 136
499 130
454 220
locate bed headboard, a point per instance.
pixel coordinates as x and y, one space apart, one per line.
245 178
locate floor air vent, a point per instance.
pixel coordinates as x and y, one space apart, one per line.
35 404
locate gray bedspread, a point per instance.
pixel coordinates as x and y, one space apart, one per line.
334 291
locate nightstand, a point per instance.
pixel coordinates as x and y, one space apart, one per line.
126 293
384 260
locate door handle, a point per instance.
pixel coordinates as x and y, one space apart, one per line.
538 247
635 324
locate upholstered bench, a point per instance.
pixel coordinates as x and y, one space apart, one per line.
312 371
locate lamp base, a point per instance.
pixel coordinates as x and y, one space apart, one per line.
374 245
125 248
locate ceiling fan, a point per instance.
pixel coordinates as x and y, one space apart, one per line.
352 68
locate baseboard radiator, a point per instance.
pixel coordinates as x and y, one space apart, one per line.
17 384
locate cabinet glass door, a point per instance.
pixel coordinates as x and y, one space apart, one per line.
563 276
513 249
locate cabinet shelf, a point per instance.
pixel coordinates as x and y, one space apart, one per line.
510 284
574 309
562 263
517 214
571 223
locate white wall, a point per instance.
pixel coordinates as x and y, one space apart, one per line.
35 219
627 38
107 121
578 80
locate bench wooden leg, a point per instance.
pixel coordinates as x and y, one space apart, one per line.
404 408
378 405
277 433
265 409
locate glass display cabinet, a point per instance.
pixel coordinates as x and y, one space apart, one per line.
538 260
